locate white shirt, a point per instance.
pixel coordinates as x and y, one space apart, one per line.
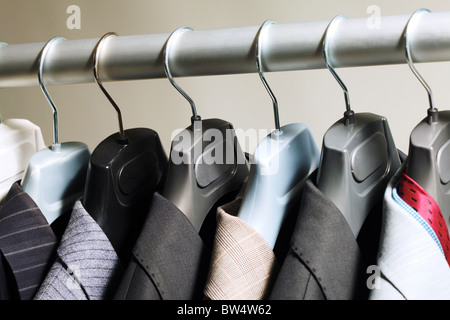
19 140
411 263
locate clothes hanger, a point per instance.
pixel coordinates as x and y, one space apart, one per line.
428 161
358 156
206 162
282 162
125 169
55 175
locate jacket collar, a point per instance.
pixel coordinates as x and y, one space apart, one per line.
325 244
27 242
171 252
83 242
409 258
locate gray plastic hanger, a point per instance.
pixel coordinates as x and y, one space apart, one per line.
55 176
428 161
282 162
358 156
195 181
125 169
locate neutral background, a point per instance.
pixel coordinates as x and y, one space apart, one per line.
312 97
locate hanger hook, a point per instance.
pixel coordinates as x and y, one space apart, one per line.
167 47
1 45
261 75
349 114
432 110
96 56
56 146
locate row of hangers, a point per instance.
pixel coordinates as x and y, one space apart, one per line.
118 178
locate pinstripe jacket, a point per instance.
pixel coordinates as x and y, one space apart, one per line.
87 267
27 246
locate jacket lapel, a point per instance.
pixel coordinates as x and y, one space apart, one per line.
88 256
171 252
324 243
27 242
409 258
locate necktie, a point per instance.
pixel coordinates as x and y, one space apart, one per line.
418 199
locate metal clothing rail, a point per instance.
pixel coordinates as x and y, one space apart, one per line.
287 47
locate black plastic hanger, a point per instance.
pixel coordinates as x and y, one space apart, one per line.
55 175
282 163
428 161
125 170
358 157
206 162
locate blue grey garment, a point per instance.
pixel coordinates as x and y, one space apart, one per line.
87 266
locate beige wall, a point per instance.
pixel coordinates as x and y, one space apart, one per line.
85 114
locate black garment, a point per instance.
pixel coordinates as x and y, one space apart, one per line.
325 261
27 246
170 260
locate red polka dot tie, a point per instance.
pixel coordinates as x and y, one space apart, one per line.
417 198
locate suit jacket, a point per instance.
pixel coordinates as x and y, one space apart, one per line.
170 260
410 262
27 246
86 267
325 261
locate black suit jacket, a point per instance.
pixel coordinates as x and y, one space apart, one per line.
325 261
27 246
170 260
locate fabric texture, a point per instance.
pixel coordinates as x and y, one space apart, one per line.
19 140
411 264
421 202
27 246
408 209
169 260
325 261
242 263
87 267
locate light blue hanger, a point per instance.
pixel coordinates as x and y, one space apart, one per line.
56 175
282 162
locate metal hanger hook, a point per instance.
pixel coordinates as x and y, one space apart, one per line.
56 146
407 37
325 50
260 71
167 48
96 55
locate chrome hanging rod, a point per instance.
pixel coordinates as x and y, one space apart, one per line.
289 47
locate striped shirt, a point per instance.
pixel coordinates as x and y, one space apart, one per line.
27 245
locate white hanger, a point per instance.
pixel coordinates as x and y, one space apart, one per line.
282 162
55 175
